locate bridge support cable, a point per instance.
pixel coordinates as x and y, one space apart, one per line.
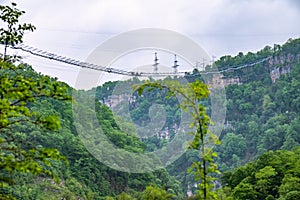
70 61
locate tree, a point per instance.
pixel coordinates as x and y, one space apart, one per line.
268 108
232 145
155 193
272 175
21 88
265 181
192 94
124 196
289 184
244 191
13 34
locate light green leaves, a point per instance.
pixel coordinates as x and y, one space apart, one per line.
192 94
19 88
13 32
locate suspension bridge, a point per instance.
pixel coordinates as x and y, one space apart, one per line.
82 64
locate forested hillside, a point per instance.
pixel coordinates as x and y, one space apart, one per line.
83 176
263 114
273 175
262 108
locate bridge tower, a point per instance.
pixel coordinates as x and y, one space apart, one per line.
155 65
175 66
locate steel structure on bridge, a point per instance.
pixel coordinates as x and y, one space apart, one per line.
70 61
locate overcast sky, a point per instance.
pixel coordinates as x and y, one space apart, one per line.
74 28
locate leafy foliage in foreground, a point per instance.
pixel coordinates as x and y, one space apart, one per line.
20 88
13 32
192 94
274 175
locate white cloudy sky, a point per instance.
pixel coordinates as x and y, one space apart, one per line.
75 27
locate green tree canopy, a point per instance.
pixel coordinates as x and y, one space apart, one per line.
13 33
20 89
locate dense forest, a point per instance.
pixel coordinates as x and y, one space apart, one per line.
43 155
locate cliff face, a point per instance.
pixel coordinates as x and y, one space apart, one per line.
282 64
276 66
219 80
